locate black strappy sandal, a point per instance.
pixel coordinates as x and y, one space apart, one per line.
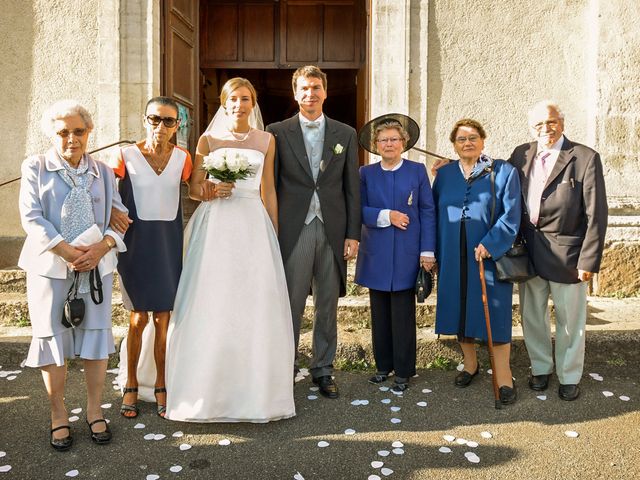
161 409
125 407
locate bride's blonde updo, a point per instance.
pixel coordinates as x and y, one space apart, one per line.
235 83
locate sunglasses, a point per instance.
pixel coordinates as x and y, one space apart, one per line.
155 120
77 132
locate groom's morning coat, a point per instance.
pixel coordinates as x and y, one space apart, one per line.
338 186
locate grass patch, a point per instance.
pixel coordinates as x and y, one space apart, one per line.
616 362
442 363
360 365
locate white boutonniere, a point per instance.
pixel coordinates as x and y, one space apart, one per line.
338 149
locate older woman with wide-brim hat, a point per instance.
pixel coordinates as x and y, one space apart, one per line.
398 238
65 202
478 203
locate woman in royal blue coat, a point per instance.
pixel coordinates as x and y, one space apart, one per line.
398 237
464 200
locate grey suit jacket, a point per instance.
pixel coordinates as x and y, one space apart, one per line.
573 212
338 186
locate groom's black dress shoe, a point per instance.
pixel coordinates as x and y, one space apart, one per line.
328 387
539 383
569 392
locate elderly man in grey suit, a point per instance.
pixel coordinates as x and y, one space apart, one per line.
317 183
564 225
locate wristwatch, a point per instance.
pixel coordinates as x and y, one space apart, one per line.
110 241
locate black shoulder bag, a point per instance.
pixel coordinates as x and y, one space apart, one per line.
74 308
514 266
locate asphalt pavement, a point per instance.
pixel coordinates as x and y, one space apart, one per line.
528 440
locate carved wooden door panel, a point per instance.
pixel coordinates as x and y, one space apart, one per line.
180 65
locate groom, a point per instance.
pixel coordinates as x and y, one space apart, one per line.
316 170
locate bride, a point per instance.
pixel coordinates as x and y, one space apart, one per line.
230 347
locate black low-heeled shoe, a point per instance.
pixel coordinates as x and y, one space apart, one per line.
464 378
379 378
508 395
400 385
100 438
61 444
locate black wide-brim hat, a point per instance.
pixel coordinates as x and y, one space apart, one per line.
367 132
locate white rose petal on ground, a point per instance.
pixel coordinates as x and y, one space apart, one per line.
421 404
377 464
11 377
116 387
624 398
460 367
571 434
224 442
486 434
395 409
364 402
159 436
469 454
373 477
5 468
444 450
184 446
355 402
398 451
489 372
323 444
384 389
396 393
473 458
349 431
150 436
177 434
314 389
449 438
461 441
138 426
386 471
113 370
114 382
74 418
383 453
312 397
397 444
304 371
298 476
153 476
541 397
385 400
175 468
607 393
3 454
105 405
426 390
76 410
395 420
72 473
472 444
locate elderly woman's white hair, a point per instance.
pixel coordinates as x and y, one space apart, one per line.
543 106
63 109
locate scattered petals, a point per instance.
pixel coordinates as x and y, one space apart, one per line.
364 402
386 471
444 450
177 434
224 442
175 468
116 387
184 446
138 426
571 434
383 453
349 431
541 397
105 405
461 441
76 410
298 476
421 404
312 397
489 371
153 476
383 389
314 389
2 454
74 418
472 444
398 451
377 464
11 377
355 402
323 444
373 477
449 438
395 420
473 458
395 409
460 367
397 444
5 468
159 436
385 400
624 398
426 390
607 393
486 434
150 436
72 473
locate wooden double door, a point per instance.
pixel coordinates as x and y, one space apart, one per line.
205 42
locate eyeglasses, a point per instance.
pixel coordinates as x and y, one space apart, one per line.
389 140
155 120
471 138
77 132
549 123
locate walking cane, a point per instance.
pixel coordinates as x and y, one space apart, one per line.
485 303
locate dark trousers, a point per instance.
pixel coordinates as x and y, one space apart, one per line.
393 331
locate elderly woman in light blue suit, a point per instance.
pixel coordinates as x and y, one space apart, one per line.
65 204
398 238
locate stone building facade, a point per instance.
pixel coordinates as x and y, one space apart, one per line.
436 60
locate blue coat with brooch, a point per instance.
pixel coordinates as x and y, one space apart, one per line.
388 257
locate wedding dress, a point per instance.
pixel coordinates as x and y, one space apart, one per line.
230 346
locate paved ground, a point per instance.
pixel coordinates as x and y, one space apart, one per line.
528 439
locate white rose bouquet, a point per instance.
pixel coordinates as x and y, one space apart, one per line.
227 166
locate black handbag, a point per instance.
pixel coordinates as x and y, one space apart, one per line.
424 285
73 310
514 266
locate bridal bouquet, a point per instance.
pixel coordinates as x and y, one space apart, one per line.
227 166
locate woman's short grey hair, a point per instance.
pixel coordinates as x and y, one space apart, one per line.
63 109
388 125
544 105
